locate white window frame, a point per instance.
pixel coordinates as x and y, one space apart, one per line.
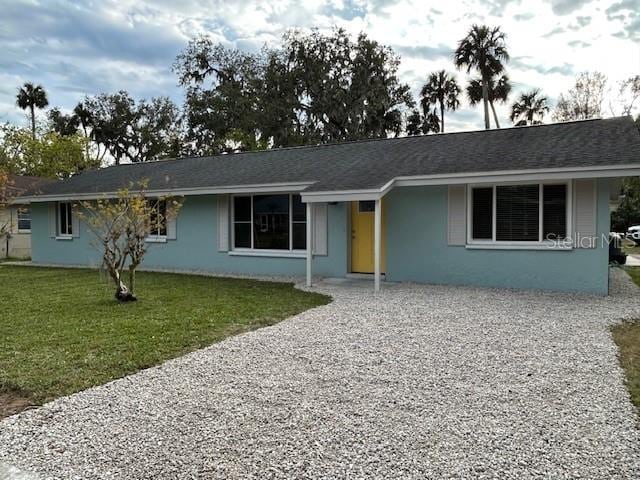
23 230
561 244
262 252
156 238
59 233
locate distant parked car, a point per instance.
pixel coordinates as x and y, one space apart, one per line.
633 233
616 255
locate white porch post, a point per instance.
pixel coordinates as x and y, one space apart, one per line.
377 234
309 242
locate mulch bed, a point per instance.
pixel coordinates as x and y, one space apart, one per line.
12 403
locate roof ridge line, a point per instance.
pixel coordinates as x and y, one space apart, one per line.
365 140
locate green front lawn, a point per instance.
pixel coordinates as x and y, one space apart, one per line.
627 337
630 248
61 330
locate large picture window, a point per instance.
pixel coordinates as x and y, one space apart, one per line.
269 222
519 213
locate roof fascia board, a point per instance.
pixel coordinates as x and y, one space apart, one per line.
480 177
258 188
510 175
345 196
370 194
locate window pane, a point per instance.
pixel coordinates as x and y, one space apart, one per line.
242 209
69 222
158 218
162 221
153 217
482 224
242 235
366 206
299 236
517 213
554 212
299 209
62 207
271 222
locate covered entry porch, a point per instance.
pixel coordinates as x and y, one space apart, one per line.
365 241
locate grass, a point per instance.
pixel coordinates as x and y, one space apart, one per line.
630 248
627 337
14 259
61 330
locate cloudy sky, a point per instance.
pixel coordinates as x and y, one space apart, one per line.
78 48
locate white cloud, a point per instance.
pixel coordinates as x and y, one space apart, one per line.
78 48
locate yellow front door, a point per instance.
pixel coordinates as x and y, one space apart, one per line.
362 230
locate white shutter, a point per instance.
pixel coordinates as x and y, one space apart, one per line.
172 227
584 213
223 223
53 228
320 233
75 222
457 222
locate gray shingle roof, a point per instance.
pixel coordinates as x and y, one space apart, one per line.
26 183
370 164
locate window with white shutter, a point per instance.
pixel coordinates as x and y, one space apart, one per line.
519 214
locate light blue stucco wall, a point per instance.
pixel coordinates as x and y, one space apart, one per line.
196 246
417 250
416 243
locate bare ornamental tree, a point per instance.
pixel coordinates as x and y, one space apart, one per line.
122 226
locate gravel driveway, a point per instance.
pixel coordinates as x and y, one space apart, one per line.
417 382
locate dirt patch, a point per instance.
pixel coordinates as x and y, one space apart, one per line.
12 403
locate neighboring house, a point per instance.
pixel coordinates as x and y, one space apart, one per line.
524 207
16 219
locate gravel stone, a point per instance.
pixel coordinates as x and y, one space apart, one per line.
414 382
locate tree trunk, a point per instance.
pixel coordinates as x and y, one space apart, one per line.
441 117
123 294
132 279
485 101
495 116
33 122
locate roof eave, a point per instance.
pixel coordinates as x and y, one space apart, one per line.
612 171
177 192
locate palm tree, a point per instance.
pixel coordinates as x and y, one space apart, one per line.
484 50
85 118
529 106
443 90
498 91
32 97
